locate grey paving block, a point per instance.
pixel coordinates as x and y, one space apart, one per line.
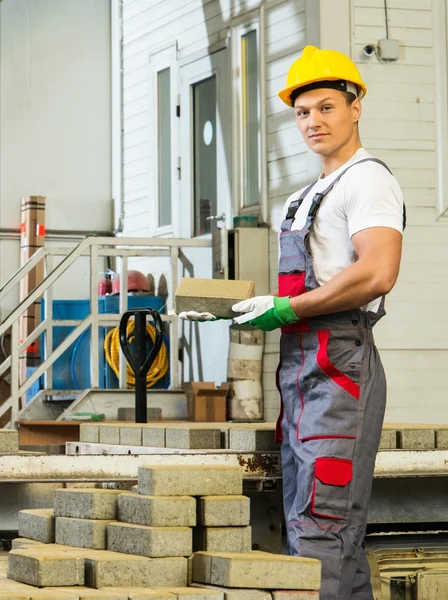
89 433
109 434
82 533
155 542
136 593
388 439
41 568
112 569
295 595
216 296
224 511
131 435
9 440
85 593
190 438
222 539
86 503
37 524
153 437
442 438
238 594
252 440
20 542
191 593
417 439
157 511
190 481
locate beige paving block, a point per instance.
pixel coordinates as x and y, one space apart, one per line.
37 524
442 438
295 595
252 440
109 433
155 542
138 593
113 569
388 440
89 433
153 436
20 542
238 594
82 533
222 539
42 568
224 511
190 481
52 595
416 439
193 438
257 570
86 503
14 596
191 593
157 511
86 593
216 296
131 435
9 440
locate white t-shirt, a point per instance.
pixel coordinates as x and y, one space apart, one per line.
366 196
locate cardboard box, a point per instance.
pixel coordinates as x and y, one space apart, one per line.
206 403
215 296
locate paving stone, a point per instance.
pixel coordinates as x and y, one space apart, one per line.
216 296
89 433
295 595
238 594
134 489
9 440
37 524
257 570
222 539
90 503
52 595
82 533
223 511
138 593
157 511
21 542
155 542
190 481
85 593
153 437
191 593
131 435
110 569
40 568
442 438
252 440
388 439
127 413
417 439
14 596
109 434
193 439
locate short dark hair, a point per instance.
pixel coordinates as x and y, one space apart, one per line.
349 97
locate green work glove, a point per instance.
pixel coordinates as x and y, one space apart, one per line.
265 312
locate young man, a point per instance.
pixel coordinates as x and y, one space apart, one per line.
340 254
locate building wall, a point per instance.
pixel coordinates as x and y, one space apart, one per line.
55 127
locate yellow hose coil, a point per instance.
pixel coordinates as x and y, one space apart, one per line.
112 350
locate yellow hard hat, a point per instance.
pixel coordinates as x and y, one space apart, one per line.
321 65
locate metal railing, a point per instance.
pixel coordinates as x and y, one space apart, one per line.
95 248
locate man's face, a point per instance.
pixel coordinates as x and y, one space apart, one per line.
325 120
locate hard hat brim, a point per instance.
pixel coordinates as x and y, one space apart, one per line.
285 95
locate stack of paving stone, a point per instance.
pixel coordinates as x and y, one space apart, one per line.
9 440
185 535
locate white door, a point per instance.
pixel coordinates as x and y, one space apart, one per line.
205 145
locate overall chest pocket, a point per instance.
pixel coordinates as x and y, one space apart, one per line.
292 252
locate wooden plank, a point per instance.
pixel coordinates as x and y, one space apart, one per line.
48 432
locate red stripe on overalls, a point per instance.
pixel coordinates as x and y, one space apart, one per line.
329 369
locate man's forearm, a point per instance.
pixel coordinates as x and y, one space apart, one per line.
354 287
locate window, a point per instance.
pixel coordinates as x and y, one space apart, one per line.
250 119
164 147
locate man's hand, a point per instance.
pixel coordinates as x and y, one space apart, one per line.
265 312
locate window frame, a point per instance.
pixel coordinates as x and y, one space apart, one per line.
440 24
254 21
159 60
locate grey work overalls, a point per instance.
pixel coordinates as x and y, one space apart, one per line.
333 397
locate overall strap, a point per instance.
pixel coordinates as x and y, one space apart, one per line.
294 207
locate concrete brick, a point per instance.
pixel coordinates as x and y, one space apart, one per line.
155 542
417 439
9 440
193 438
257 570
52 595
37 524
252 440
191 593
110 569
89 433
238 594
157 511
90 503
134 489
222 539
109 434
21 542
388 439
442 438
216 296
224 511
295 595
82 533
85 593
153 437
131 435
127 413
136 593
14 596
190 481
42 568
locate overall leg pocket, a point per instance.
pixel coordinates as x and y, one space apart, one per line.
332 477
